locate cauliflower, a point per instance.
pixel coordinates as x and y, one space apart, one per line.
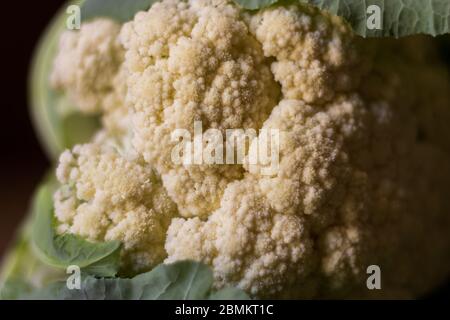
87 62
107 196
89 69
364 163
194 62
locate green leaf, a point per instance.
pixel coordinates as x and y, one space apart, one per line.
399 17
57 129
13 289
255 4
61 251
186 280
20 267
121 11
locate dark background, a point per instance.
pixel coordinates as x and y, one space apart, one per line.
22 161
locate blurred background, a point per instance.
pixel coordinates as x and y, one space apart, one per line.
22 161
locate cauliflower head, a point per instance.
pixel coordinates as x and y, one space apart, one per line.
364 162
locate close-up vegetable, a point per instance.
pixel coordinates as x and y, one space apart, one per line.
137 104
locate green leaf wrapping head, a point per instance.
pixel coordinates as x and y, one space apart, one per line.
181 281
67 250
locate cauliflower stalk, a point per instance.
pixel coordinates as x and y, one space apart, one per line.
364 160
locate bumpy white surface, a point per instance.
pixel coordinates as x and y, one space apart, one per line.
364 153
87 62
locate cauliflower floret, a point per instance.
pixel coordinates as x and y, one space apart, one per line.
260 238
247 243
313 51
313 162
87 62
194 61
106 196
